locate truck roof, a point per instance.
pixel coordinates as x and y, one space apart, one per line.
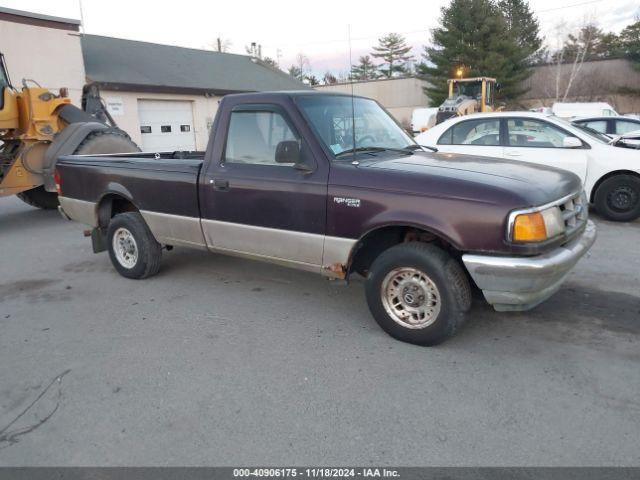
293 94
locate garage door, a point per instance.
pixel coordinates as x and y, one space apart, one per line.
166 125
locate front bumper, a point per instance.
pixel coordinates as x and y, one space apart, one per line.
521 283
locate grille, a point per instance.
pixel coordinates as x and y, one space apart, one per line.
575 212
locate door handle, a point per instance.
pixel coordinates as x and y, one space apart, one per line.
513 153
220 184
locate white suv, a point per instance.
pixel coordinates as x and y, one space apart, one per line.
610 175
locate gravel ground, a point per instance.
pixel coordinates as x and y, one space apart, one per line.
222 361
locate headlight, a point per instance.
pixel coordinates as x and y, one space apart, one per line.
536 226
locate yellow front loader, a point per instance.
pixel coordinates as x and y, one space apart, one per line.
468 95
37 126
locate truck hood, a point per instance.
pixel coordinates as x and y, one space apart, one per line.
474 177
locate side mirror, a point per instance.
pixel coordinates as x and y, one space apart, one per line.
288 152
571 142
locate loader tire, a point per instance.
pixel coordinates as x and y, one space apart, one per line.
106 141
38 197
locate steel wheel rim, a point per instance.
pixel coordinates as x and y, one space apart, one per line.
125 248
623 198
410 298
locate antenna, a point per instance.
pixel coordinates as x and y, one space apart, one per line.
353 109
82 29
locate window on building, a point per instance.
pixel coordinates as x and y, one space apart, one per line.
165 128
185 128
145 129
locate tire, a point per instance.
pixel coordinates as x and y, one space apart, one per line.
133 250
38 197
618 198
106 141
426 271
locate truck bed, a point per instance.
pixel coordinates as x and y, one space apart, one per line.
165 183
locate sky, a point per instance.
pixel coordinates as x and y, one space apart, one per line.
285 28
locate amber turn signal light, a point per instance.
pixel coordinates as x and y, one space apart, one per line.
529 227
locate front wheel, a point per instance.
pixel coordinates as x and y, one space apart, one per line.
418 293
618 198
133 249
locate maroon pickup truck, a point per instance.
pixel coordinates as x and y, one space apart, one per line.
332 184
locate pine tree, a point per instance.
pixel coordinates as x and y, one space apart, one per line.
365 69
522 24
329 78
524 30
486 39
311 79
394 51
594 41
295 72
630 42
271 62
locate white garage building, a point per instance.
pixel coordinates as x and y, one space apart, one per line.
166 97
42 48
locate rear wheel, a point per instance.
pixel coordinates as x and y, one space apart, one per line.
133 249
38 197
417 293
618 198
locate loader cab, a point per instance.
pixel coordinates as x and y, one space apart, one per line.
8 100
480 89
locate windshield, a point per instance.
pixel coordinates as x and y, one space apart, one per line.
333 119
469 89
4 78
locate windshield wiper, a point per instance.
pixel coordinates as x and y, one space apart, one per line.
361 149
418 147
406 151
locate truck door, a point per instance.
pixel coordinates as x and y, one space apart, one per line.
254 199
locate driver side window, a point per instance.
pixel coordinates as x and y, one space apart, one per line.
253 137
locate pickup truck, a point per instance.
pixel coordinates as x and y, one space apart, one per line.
331 184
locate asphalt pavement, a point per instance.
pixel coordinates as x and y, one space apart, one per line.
223 361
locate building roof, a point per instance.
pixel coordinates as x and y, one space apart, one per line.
37 19
141 66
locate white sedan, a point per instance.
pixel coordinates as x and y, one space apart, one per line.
610 175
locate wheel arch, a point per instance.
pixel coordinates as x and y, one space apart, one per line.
607 176
112 202
382 237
